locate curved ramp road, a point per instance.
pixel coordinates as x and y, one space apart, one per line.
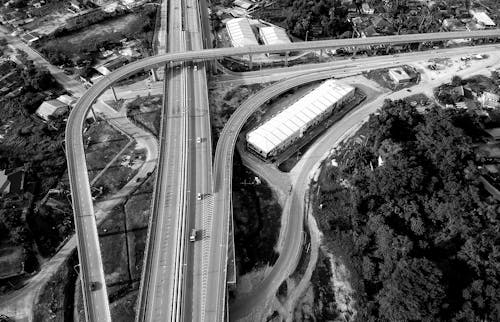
97 308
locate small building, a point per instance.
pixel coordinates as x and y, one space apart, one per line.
66 99
244 4
399 75
76 4
241 33
273 36
288 126
51 107
482 18
489 100
365 9
30 38
13 181
111 65
452 24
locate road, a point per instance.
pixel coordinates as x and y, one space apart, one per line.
302 172
160 291
79 112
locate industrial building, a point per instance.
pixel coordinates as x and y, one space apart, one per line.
276 134
273 36
241 32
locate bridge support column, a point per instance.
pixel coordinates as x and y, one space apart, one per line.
387 49
420 45
92 112
114 93
286 59
250 64
153 75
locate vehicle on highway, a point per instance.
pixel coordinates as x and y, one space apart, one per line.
199 139
94 286
193 235
199 196
195 67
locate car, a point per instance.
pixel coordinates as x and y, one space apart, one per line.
199 140
193 235
94 286
195 67
199 196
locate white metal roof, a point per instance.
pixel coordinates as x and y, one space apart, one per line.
482 17
290 121
274 35
241 33
48 108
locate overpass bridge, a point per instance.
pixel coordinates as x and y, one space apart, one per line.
96 306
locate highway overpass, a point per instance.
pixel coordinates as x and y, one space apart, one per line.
77 169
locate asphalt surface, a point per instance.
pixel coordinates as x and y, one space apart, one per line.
160 292
87 99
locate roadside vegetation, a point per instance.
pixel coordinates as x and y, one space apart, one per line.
405 210
37 147
146 112
257 220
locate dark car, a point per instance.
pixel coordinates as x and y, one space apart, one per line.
94 286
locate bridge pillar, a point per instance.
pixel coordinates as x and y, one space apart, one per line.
387 49
250 64
420 46
114 93
93 113
286 59
153 75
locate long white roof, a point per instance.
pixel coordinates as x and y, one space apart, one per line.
241 33
290 121
274 35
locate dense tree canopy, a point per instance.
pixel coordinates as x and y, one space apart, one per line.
422 233
329 17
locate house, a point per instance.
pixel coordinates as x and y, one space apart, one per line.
66 99
111 65
13 181
452 24
30 38
482 18
244 4
399 75
489 100
51 107
365 9
76 4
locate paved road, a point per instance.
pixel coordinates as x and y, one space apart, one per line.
301 175
86 101
160 292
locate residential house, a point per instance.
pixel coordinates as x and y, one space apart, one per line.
489 100
482 18
12 260
51 107
399 75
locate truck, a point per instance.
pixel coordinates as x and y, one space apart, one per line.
192 235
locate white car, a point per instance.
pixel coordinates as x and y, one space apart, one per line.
199 196
192 236
199 139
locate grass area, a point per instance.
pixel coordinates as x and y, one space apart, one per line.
121 171
146 112
104 142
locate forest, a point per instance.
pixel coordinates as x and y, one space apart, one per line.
404 208
311 19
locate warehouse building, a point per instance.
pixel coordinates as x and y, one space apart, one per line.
273 36
241 32
278 133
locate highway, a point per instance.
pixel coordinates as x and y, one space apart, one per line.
76 159
160 291
89 252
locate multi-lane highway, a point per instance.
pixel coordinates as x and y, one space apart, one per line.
77 168
161 292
